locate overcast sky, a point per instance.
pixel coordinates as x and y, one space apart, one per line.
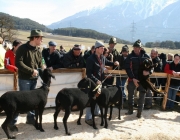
47 11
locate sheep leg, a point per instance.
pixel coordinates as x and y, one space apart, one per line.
102 120
5 124
55 117
36 125
119 108
66 116
93 104
40 119
80 115
111 108
105 116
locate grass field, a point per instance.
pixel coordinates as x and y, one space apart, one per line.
68 42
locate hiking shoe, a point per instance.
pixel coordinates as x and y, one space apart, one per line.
89 122
30 122
13 128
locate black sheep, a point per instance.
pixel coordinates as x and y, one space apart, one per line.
13 102
108 97
69 97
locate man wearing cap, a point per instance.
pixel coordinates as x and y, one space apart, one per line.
52 56
28 60
2 54
95 66
74 58
132 64
120 81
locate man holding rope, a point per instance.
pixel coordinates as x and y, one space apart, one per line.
95 69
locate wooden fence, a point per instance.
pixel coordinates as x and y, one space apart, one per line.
66 78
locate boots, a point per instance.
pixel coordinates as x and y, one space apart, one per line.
130 111
138 114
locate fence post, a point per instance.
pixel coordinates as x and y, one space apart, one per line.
166 92
15 81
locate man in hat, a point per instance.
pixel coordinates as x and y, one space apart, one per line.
2 54
95 66
112 50
28 61
74 58
120 81
113 55
133 62
52 56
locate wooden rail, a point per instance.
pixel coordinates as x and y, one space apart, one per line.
113 72
155 75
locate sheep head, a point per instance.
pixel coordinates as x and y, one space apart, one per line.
46 76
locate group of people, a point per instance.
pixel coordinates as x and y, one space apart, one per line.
26 59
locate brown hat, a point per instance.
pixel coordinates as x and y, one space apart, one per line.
112 40
36 33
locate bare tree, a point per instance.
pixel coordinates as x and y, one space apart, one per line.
7 29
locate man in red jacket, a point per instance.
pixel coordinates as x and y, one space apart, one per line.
9 61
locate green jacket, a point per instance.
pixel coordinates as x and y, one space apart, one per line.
27 59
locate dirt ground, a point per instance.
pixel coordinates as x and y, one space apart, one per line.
154 125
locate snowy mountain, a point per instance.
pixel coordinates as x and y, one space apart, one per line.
118 16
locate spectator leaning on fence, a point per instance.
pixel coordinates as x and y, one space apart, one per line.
120 81
9 61
132 65
52 56
174 69
28 60
156 81
2 54
74 58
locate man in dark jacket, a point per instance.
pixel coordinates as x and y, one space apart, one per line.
74 58
28 60
95 71
52 56
132 65
156 81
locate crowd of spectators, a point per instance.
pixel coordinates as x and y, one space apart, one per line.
55 58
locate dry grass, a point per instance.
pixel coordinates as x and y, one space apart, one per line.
68 42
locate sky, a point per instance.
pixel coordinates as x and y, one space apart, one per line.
47 11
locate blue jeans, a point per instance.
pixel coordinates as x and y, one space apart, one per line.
88 112
25 85
120 82
172 95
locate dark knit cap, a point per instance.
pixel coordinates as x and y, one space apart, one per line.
137 43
